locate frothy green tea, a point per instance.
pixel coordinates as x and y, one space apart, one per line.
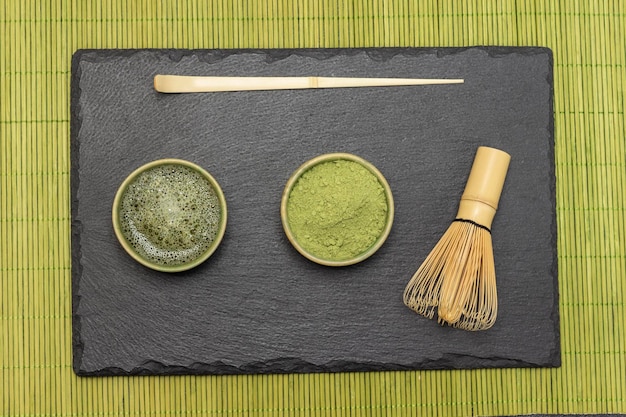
170 214
337 210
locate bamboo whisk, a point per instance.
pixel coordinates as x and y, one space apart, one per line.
458 277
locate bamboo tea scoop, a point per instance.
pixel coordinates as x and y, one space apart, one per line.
191 84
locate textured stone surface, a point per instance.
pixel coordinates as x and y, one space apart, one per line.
257 306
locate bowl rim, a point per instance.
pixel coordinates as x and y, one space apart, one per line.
221 227
327 157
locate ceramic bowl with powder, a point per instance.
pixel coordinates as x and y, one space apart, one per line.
337 209
169 215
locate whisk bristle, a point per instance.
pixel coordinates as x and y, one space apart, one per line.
457 279
469 298
422 292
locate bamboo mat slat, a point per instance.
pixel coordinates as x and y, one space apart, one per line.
37 39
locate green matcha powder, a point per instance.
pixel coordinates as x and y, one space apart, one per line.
337 210
170 214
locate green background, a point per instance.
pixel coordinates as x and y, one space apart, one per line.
37 39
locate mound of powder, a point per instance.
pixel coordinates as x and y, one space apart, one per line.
337 210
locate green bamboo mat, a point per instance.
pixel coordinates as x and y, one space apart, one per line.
37 39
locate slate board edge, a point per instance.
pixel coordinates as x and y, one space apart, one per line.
76 254
556 352
287 365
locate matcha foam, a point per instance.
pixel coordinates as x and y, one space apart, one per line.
170 214
337 210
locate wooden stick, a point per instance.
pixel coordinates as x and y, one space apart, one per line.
189 84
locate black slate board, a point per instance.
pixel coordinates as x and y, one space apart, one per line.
257 306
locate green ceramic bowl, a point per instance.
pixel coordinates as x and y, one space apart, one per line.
169 215
343 223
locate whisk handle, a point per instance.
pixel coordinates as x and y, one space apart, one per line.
480 199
